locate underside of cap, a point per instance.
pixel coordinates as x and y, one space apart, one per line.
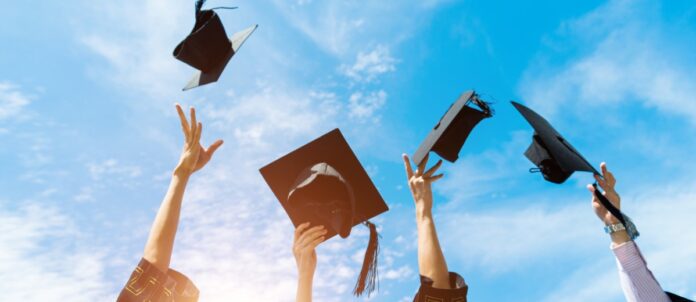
201 78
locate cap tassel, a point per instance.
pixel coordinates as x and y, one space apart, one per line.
199 6
368 280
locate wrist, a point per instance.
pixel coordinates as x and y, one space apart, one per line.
423 214
619 237
182 172
306 275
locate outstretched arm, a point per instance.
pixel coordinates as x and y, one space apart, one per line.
306 240
637 282
431 261
158 249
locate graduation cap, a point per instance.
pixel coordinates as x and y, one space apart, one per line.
557 159
449 134
677 298
323 183
207 48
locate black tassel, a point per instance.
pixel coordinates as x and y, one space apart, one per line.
199 6
368 280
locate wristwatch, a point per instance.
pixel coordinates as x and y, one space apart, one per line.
613 228
629 227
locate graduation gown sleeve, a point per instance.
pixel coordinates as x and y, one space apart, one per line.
457 293
149 284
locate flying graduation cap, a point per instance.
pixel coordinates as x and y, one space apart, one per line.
557 159
449 134
323 183
207 48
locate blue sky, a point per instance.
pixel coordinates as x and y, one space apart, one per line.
88 137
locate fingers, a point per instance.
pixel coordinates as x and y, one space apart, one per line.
603 166
600 181
435 178
311 235
422 165
197 135
433 169
407 164
300 229
591 189
184 122
192 112
316 242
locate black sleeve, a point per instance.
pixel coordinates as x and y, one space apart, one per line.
147 283
456 293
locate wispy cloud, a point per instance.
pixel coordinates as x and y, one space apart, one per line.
343 28
42 258
12 100
627 54
112 168
369 65
364 107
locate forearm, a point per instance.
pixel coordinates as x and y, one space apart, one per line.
431 261
160 243
304 288
637 281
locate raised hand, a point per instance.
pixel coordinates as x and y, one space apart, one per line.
306 240
420 182
607 183
193 157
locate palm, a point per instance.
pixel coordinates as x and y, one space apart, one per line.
421 181
204 156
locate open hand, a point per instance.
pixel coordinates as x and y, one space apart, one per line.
420 182
607 183
193 157
306 240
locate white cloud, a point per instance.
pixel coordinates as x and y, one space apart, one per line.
631 57
112 168
363 107
139 49
42 259
347 27
368 66
12 100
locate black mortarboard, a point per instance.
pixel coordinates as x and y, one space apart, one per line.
677 298
557 159
207 47
550 152
450 133
323 183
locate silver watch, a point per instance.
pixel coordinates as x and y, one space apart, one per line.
629 227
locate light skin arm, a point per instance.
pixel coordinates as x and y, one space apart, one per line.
158 249
305 241
431 260
607 183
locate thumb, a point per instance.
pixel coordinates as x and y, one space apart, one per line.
214 146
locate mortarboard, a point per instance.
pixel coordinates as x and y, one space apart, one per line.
323 183
557 159
677 298
207 48
449 134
